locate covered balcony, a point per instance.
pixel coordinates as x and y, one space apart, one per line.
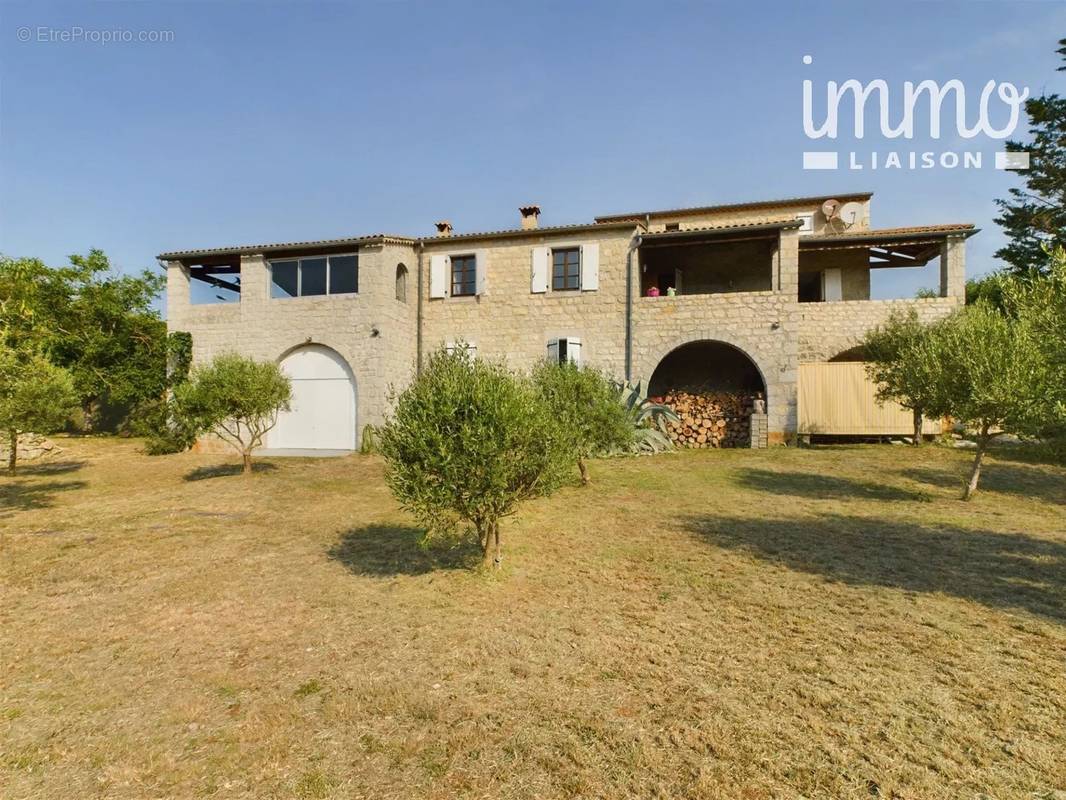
838 267
718 260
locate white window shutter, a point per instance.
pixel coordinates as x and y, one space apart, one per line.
573 350
832 290
553 351
590 266
438 276
481 267
471 349
538 282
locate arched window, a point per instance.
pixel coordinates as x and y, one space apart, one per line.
401 283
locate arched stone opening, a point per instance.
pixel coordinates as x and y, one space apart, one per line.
714 388
322 414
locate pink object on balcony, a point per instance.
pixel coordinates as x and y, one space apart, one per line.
653 291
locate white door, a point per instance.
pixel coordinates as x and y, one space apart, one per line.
322 413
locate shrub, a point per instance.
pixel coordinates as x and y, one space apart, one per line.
584 404
35 396
647 421
235 398
470 441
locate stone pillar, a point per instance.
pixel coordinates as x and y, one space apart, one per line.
178 299
786 279
759 431
255 280
953 267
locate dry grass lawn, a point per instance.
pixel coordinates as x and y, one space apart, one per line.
828 623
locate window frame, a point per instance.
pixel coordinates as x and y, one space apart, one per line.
462 258
567 249
299 274
564 350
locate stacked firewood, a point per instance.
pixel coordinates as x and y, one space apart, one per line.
710 419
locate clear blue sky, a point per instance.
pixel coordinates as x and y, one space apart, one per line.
267 122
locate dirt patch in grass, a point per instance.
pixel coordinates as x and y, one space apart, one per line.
788 623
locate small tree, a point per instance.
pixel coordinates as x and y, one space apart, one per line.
586 405
471 441
988 364
898 360
1039 305
235 398
35 396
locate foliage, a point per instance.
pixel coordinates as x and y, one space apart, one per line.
926 293
1036 215
989 366
236 398
98 324
903 367
159 420
470 441
584 403
647 421
35 396
179 357
987 289
368 444
1039 306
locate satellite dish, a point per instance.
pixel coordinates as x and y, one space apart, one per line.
830 208
850 213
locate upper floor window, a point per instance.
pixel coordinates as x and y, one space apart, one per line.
317 275
806 223
401 283
464 275
672 226
566 268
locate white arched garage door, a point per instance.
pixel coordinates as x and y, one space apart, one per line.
322 416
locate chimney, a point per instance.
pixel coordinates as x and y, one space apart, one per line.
530 217
444 228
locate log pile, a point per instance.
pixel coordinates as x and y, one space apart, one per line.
709 419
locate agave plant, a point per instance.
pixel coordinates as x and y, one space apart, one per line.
649 420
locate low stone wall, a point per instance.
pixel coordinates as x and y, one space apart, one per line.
31 447
828 329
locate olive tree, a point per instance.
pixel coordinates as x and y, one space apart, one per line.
470 441
35 396
237 399
1039 304
586 405
898 361
986 365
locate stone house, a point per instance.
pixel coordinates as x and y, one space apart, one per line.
734 296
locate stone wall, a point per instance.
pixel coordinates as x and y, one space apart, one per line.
828 329
510 322
372 330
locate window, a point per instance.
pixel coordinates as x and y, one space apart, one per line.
673 226
318 275
561 351
566 269
401 283
464 275
807 225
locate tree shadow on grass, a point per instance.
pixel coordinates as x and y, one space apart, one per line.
20 495
48 468
997 569
383 550
1017 479
825 487
226 470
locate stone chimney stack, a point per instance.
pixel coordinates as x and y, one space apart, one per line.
444 228
530 217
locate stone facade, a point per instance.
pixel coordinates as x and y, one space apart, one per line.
381 337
